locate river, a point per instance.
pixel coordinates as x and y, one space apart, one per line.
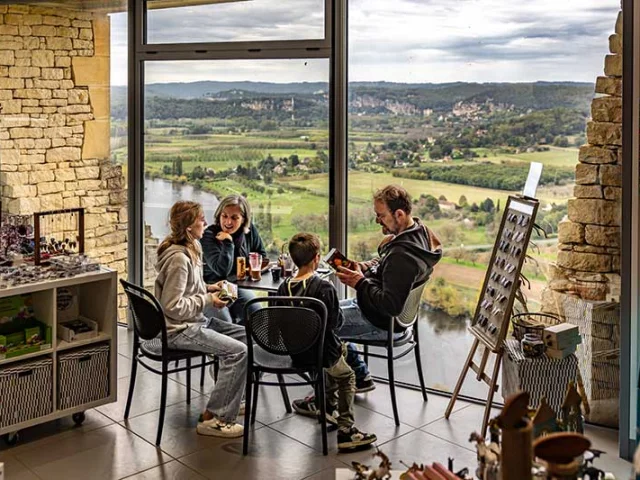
444 340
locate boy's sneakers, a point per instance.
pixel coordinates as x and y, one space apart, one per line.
365 385
307 406
354 438
218 428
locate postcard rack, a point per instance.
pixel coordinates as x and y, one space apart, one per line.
490 322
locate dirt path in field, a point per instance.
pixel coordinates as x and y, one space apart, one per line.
473 277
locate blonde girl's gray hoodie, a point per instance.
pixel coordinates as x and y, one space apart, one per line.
180 288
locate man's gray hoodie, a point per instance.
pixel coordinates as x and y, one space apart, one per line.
180 288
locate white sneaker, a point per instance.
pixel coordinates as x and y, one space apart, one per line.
218 428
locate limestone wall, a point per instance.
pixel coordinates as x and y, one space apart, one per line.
54 123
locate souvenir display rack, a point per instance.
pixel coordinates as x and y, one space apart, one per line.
490 322
55 227
96 300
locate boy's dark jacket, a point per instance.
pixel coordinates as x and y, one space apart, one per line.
220 256
405 262
324 291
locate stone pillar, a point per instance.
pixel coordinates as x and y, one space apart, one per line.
54 123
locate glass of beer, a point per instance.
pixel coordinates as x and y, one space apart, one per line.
255 262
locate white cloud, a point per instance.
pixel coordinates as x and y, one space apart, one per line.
400 40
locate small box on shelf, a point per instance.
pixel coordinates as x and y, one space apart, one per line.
21 332
78 329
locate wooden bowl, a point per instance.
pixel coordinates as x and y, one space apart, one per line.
561 447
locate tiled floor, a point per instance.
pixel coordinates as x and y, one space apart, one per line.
282 445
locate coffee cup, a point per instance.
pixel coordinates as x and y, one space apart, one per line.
275 274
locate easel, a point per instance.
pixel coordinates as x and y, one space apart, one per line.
491 320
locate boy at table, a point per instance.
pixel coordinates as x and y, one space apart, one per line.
304 249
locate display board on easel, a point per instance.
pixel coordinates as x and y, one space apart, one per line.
490 322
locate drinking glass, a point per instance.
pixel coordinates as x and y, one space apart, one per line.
255 262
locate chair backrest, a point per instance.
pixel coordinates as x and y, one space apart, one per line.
287 326
148 317
409 313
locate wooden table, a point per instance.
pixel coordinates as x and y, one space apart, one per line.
265 284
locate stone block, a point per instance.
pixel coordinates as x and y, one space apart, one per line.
9 30
25 132
569 232
613 65
97 139
24 31
89 185
59 43
607 109
586 262
24 62
57 21
597 155
613 193
24 72
68 32
586 174
41 176
75 142
51 202
62 62
71 202
17 191
619 23
594 211
604 133
102 36
32 43
11 83
86 34
63 154
40 93
81 23
25 143
78 95
611 175
24 205
52 74
50 187
12 19
100 102
603 236
11 45
33 19
10 106
33 159
9 157
73 109
79 44
11 178
42 58
615 44
7 57
58 132
86 173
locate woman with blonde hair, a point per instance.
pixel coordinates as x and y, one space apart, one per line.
184 296
232 235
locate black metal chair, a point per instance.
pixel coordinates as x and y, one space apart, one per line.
409 340
276 334
150 342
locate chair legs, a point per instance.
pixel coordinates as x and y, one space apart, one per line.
188 372
419 361
204 360
132 381
392 384
256 379
323 412
216 368
285 394
163 401
247 412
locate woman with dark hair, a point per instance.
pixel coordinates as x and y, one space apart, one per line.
184 296
231 235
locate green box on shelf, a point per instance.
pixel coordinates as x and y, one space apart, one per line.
20 332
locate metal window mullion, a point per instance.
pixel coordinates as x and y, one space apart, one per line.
236 46
195 55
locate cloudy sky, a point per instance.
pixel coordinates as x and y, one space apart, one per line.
398 41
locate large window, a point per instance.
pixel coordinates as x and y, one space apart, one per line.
255 128
453 100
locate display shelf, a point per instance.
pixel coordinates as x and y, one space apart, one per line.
64 345
96 299
26 356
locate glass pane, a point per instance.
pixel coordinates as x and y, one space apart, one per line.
62 144
423 114
238 127
234 20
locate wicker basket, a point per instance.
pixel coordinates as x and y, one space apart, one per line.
534 323
83 376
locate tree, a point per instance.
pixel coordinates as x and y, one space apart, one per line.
487 206
462 202
442 198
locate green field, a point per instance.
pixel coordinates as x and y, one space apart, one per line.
556 156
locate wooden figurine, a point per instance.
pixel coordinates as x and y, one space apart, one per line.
487 455
544 420
560 452
517 433
571 414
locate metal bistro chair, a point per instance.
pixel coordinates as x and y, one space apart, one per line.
150 341
410 339
275 333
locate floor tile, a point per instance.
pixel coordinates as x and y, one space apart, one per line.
124 366
106 453
416 446
179 437
412 409
44 433
14 469
146 396
326 474
307 430
173 470
460 425
270 454
271 405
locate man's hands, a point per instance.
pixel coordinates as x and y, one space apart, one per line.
215 287
350 277
217 302
223 236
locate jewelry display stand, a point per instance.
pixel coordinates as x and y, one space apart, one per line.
59 225
491 319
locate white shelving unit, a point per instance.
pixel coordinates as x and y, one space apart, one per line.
97 300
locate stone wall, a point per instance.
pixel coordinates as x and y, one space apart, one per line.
55 127
588 262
